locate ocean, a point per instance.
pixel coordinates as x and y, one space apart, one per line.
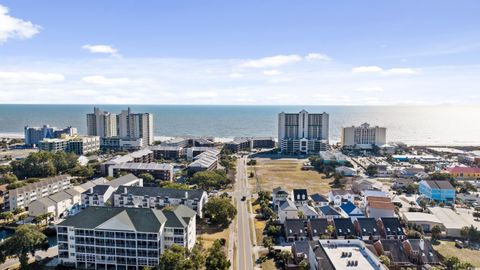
414 125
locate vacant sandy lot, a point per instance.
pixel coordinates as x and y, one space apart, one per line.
286 173
447 249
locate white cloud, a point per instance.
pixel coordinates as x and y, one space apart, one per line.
105 49
367 69
104 81
370 89
30 77
273 61
400 71
317 57
185 81
11 27
386 72
235 75
272 72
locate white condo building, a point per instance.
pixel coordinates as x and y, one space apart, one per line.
136 125
303 132
126 125
22 197
123 238
101 123
364 136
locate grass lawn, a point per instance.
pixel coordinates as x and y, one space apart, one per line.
259 226
269 265
287 173
447 249
209 234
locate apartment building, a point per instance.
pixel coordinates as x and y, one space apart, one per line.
53 145
437 190
140 156
151 197
23 196
206 161
102 190
84 145
248 143
160 171
59 204
33 135
79 145
117 143
123 238
136 125
303 132
168 152
363 136
101 123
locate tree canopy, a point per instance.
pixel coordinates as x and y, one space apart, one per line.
216 259
209 180
44 164
26 240
220 210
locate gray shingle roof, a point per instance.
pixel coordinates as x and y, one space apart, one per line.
195 194
179 216
117 218
368 226
295 227
115 183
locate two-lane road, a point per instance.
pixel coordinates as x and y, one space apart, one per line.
244 244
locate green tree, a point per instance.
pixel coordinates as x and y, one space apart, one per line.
304 265
284 256
371 170
385 260
268 243
166 184
411 188
436 231
85 172
147 177
209 180
220 210
26 240
216 259
174 259
5 169
453 263
197 255
9 178
273 230
7 216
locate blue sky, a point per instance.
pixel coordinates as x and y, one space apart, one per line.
240 52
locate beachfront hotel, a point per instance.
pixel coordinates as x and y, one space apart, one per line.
123 238
33 135
303 132
125 125
363 136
